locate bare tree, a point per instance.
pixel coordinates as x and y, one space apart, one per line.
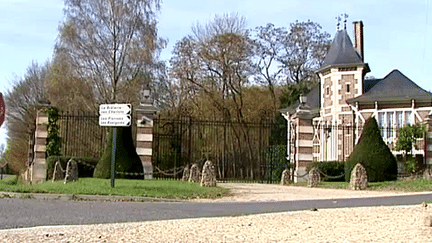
216 62
304 50
289 57
268 49
111 43
21 101
214 67
67 91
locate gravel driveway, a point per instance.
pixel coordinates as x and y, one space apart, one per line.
250 192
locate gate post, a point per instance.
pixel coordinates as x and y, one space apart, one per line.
303 145
144 137
38 169
428 141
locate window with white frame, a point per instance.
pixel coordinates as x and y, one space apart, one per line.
399 119
390 124
408 117
381 123
390 121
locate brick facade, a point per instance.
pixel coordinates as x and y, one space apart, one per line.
144 137
327 92
347 88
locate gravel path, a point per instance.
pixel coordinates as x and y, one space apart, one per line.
379 224
376 224
255 192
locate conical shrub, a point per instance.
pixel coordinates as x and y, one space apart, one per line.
373 154
128 163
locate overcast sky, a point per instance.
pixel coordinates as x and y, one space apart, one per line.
397 34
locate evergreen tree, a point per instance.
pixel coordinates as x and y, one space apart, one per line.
127 160
373 154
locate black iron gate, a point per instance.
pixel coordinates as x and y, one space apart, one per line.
242 151
81 134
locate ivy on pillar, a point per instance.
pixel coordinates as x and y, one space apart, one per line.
144 135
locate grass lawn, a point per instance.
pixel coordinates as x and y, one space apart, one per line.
419 185
175 189
171 189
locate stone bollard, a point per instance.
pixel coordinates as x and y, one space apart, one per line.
286 180
194 173
208 174
427 218
427 174
314 177
58 172
186 173
71 171
428 221
359 180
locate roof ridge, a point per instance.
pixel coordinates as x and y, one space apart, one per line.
394 86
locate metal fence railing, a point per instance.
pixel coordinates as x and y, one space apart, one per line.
81 134
336 142
240 150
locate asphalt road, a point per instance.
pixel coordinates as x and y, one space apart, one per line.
22 213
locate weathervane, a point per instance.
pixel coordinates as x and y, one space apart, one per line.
345 21
339 19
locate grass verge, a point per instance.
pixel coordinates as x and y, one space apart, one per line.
170 189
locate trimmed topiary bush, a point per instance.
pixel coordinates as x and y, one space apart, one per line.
373 154
333 169
127 160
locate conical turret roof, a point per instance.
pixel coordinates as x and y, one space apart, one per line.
342 52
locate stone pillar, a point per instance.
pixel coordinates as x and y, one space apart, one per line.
144 137
38 169
303 148
304 142
428 141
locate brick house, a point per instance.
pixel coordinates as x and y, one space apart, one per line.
326 123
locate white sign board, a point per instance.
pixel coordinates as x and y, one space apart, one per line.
115 115
115 109
115 121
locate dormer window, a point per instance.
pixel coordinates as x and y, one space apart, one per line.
347 69
326 72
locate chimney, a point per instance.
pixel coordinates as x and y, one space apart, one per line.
358 38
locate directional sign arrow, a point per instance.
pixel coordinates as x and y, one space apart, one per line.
114 120
115 109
